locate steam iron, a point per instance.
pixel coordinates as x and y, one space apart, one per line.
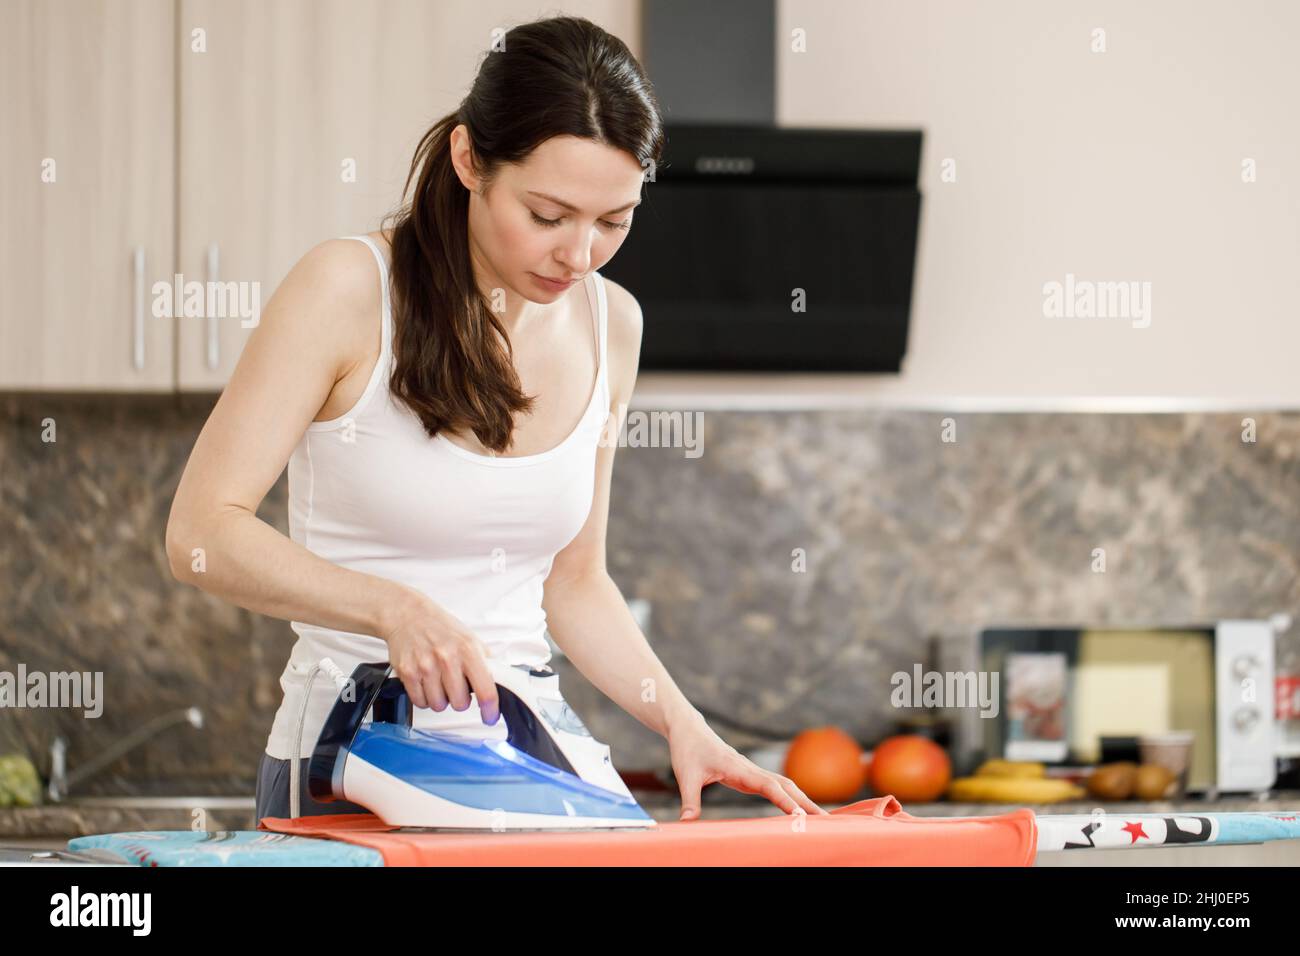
549 773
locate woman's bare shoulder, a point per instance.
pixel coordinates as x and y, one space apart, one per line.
333 293
342 271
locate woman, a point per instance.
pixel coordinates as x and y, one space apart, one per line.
429 526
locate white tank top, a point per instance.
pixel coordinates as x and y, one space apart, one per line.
369 490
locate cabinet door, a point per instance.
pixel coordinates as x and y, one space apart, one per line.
87 194
298 121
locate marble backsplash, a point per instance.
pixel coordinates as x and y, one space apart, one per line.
791 567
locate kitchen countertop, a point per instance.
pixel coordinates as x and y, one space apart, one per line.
731 804
1226 803
110 815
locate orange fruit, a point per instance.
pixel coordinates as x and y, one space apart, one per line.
911 768
826 764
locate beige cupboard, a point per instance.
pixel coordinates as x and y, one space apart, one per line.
199 149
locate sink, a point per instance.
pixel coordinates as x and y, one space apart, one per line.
162 803
84 816
36 853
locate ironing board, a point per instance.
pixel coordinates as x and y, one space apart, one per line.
873 832
165 848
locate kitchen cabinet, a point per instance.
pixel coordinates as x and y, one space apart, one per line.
298 122
87 195
201 148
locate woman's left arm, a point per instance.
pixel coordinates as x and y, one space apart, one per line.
591 622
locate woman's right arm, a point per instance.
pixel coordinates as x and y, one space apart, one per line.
311 333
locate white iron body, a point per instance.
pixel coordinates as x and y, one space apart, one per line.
537 768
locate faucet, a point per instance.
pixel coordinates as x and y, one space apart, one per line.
61 781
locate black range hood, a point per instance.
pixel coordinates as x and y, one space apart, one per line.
775 249
747 222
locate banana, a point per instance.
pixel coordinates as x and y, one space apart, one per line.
1011 768
988 789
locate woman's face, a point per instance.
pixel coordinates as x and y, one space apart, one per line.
521 230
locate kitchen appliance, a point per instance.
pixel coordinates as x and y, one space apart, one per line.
764 248
1064 690
547 773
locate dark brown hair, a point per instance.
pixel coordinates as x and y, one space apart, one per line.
553 77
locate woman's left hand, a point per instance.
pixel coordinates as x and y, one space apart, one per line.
700 757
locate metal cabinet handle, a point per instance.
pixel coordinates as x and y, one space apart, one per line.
138 331
214 328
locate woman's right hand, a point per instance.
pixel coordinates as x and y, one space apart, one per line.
439 660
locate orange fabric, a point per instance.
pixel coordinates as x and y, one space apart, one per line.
874 832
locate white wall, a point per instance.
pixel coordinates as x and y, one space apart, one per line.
1122 165
1117 166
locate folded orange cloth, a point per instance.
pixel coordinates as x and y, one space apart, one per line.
874 832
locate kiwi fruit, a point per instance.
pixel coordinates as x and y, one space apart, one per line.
1151 781
1113 781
